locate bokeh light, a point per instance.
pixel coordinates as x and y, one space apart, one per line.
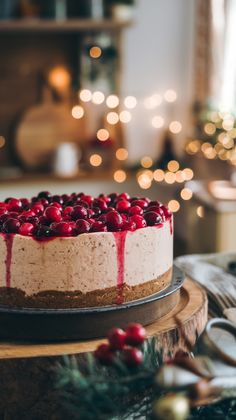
112 101
122 153
2 141
103 134
146 162
95 52
159 175
186 194
170 95
125 117
130 102
119 175
157 121
170 177
95 160
98 97
173 165
175 127
77 112
173 206
85 95
200 211
112 118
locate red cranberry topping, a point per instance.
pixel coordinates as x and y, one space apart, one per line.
132 357
104 354
56 204
166 211
91 213
135 210
88 199
44 194
129 225
140 203
63 229
152 218
14 205
117 338
139 221
25 203
123 205
38 208
98 227
43 231
53 214
67 211
79 212
124 196
82 226
11 225
114 220
100 203
135 334
3 210
26 229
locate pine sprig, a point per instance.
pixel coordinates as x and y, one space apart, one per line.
103 392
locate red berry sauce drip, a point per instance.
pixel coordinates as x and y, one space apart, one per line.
9 242
120 249
171 225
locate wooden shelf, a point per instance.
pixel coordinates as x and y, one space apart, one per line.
69 25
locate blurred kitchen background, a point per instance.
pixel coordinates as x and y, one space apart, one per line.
124 95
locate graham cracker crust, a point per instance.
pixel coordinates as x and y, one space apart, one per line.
58 300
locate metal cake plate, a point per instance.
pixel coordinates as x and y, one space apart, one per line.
50 325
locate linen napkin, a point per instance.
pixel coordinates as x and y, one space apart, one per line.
211 271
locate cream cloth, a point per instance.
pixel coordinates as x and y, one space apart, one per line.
210 270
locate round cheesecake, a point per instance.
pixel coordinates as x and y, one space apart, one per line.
80 251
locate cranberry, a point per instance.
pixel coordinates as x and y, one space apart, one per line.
88 199
91 221
140 203
154 203
65 198
53 214
139 221
25 203
67 211
135 334
152 218
56 204
157 209
123 205
105 198
98 227
129 225
114 220
104 354
38 208
57 199
82 203
124 196
79 212
26 229
97 211
100 203
82 226
44 194
91 213
63 228
44 221
116 338
132 357
33 219
28 213
113 196
3 218
11 225
15 205
44 202
3 210
135 210
43 231
166 211
102 218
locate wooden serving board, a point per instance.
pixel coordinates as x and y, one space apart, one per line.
26 380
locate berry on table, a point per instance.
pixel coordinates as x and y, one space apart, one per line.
135 334
132 356
53 214
117 338
104 354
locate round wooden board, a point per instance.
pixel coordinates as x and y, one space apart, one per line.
27 380
187 318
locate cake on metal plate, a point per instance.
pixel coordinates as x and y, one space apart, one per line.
74 251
